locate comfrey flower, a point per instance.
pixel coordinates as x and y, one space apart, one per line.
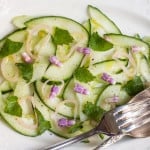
80 89
106 77
54 60
63 122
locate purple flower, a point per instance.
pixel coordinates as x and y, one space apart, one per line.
63 122
54 91
26 57
84 50
80 89
54 60
106 77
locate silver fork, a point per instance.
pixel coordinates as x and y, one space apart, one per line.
141 132
123 119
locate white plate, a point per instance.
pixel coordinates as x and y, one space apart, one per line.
132 16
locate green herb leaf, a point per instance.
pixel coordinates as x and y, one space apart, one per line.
83 75
43 125
93 112
99 44
134 86
62 36
26 70
75 127
12 106
10 47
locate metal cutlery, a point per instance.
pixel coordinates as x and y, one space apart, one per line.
143 131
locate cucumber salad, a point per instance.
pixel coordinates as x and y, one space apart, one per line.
61 76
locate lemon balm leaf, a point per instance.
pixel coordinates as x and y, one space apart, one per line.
84 75
99 44
12 106
134 86
62 36
93 112
26 70
10 47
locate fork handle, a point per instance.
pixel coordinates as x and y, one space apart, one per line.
111 140
71 140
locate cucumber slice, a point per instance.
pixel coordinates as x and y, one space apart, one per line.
146 39
64 72
109 92
25 128
120 78
52 103
39 69
128 42
69 92
18 36
100 22
109 66
101 56
77 31
19 21
145 69
26 89
87 25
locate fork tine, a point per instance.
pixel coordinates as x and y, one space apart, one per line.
136 125
132 113
131 120
129 106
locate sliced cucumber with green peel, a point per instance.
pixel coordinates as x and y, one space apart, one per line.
101 56
69 91
87 25
77 31
100 22
16 36
52 103
23 125
109 66
145 69
146 39
129 42
19 21
109 93
55 73
39 70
